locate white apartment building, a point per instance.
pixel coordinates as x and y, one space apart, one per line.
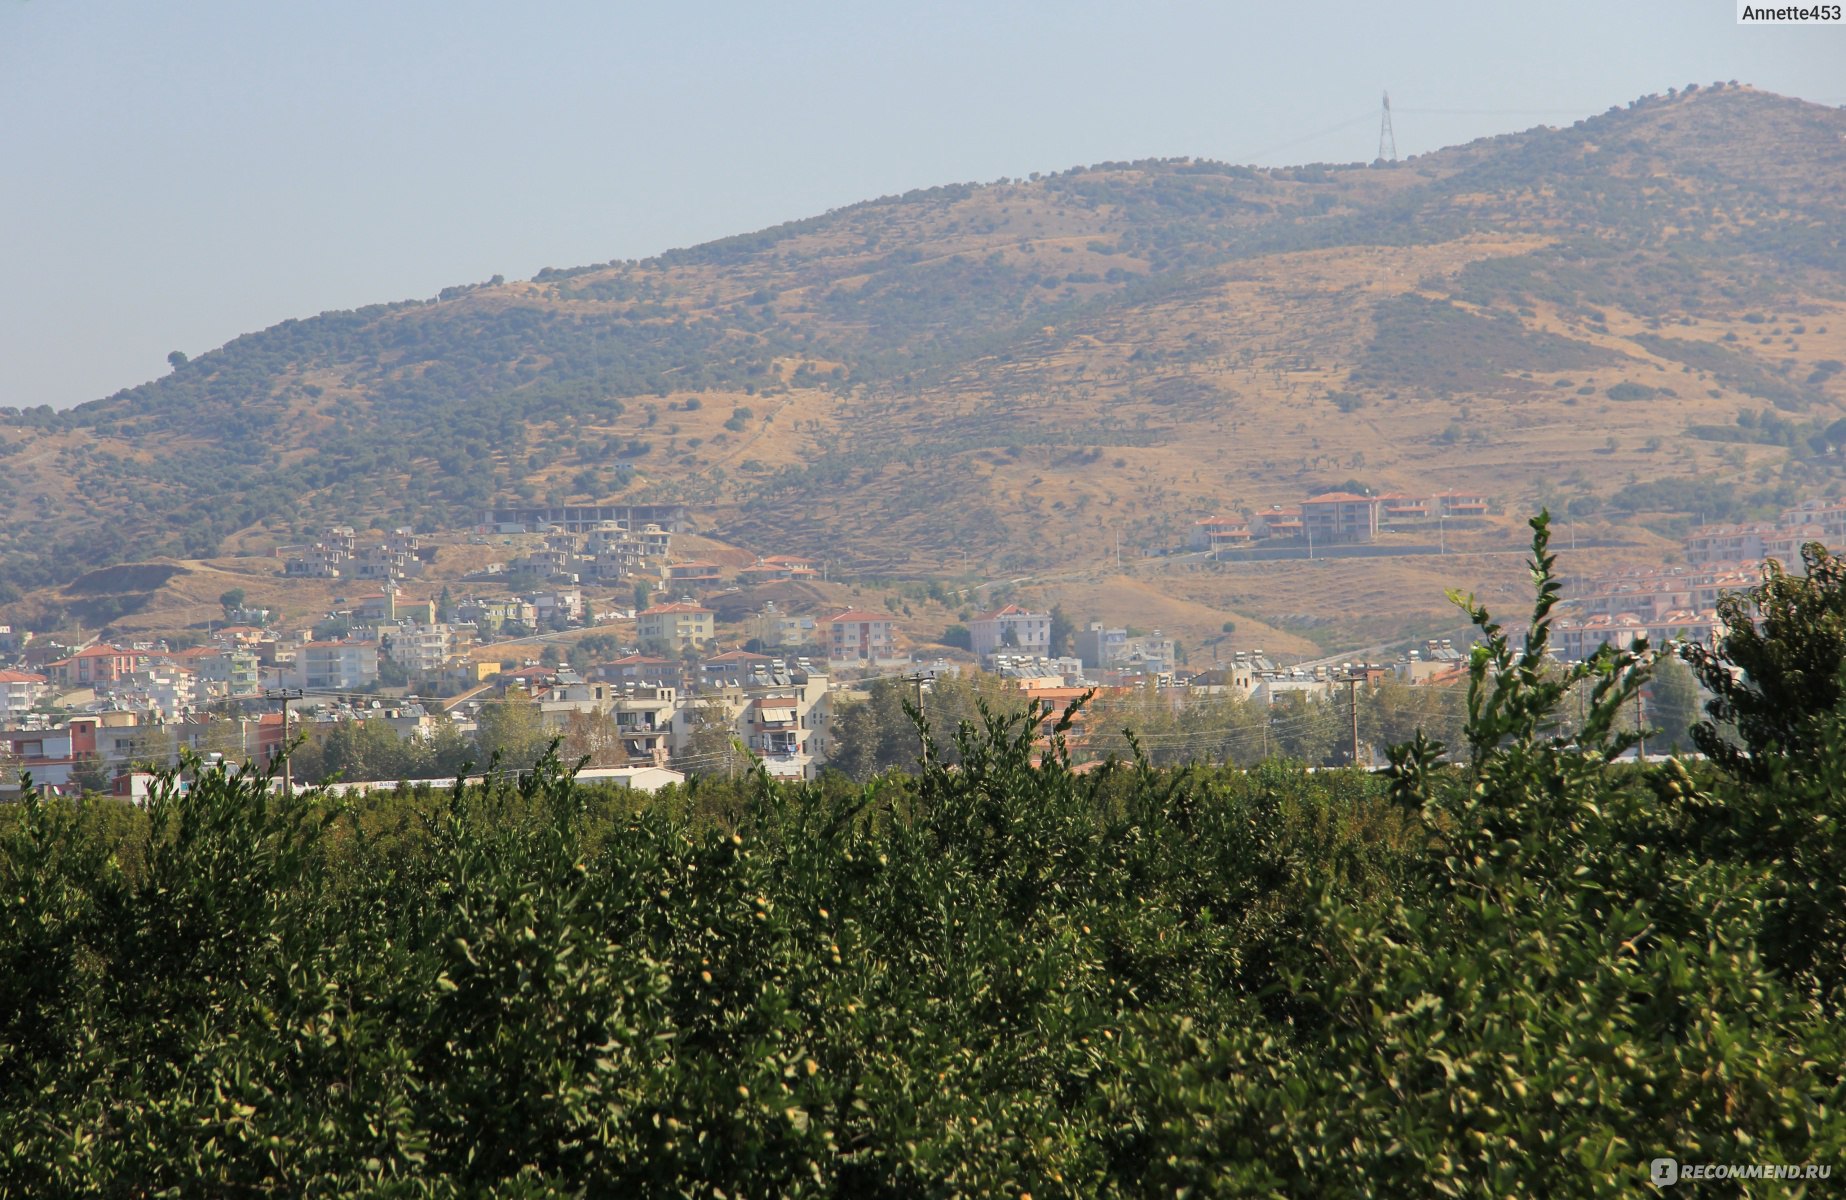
336 666
424 648
1013 629
19 691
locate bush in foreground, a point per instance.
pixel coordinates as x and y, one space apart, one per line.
1528 975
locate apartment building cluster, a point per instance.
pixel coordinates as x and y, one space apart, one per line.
1748 544
1105 649
777 709
853 639
697 574
1662 604
1679 603
607 553
146 677
338 555
1337 518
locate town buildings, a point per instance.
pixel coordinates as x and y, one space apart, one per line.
336 666
1013 629
859 638
676 625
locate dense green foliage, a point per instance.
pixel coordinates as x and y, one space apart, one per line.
1528 975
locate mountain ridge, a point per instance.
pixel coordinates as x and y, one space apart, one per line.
1013 373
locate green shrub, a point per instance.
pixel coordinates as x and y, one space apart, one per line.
1527 972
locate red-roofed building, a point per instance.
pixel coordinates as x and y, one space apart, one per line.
1728 543
98 664
19 691
640 670
1221 533
531 678
696 574
1397 508
732 667
676 625
1461 505
1332 518
856 636
1280 523
1014 630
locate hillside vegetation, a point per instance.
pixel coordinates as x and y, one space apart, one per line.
1012 374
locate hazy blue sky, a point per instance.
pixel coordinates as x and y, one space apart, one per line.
177 174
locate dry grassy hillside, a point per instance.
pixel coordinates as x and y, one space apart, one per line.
1014 379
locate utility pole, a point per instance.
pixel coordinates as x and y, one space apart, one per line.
1640 727
1352 697
288 768
916 681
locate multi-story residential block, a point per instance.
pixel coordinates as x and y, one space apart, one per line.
97 665
677 625
859 637
733 668
1728 543
161 688
1280 523
1649 594
243 673
424 648
1013 629
1099 646
644 721
773 627
545 562
19 692
488 616
782 717
336 666
380 562
1149 652
1785 544
1577 639
564 604
1334 518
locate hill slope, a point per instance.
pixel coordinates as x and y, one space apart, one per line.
1012 375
